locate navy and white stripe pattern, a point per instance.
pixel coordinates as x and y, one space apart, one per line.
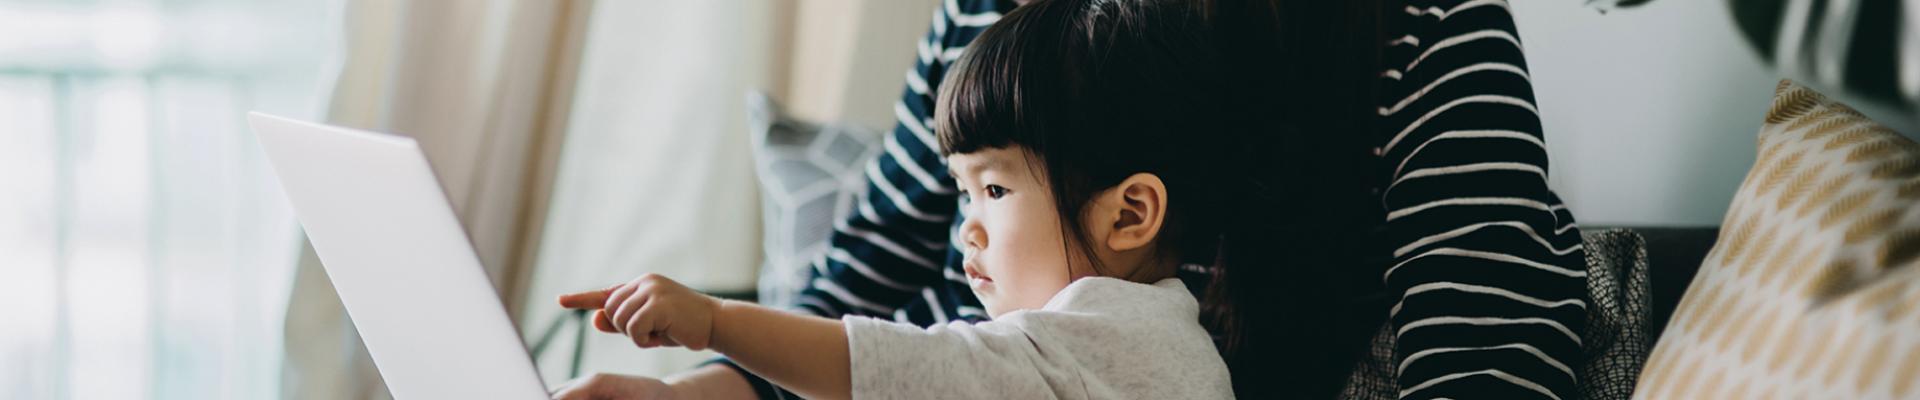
1487 260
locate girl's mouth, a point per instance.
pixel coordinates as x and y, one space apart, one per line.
976 277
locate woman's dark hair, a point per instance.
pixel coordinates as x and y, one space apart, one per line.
1258 118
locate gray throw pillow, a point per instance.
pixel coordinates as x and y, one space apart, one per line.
808 176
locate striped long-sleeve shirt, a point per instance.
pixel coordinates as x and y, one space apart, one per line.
1487 261
1488 264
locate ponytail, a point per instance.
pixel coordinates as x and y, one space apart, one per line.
1296 291
1294 295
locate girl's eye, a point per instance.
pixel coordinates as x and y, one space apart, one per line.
995 191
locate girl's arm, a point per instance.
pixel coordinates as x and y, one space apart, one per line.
812 356
805 354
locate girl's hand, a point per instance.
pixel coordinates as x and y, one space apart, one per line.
651 310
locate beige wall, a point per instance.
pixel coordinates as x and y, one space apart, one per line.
849 58
1651 113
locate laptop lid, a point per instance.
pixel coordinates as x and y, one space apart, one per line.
396 254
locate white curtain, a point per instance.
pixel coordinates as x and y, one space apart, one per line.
484 87
656 172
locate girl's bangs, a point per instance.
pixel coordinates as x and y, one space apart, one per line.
989 98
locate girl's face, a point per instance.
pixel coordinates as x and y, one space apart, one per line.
1016 255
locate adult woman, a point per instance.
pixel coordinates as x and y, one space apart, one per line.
1415 193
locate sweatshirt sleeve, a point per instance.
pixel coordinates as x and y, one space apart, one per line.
1487 260
953 361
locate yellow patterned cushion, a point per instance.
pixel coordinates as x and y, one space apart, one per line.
1813 288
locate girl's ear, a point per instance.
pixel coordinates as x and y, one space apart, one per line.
1135 208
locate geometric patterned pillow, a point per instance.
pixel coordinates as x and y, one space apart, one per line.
1619 293
1615 341
1813 288
808 177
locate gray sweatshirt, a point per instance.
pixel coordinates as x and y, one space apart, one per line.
1100 338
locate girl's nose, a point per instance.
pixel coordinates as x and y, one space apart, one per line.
973 236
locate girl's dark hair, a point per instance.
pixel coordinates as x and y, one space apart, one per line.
1257 115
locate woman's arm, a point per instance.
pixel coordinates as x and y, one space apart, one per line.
705 382
709 382
1487 260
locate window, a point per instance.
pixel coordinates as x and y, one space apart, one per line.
145 250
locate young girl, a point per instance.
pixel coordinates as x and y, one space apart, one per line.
1091 141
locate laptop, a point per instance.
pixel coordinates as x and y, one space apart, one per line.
404 268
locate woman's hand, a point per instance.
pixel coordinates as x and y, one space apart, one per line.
651 310
616 387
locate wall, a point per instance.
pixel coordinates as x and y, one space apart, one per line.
1651 113
850 58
